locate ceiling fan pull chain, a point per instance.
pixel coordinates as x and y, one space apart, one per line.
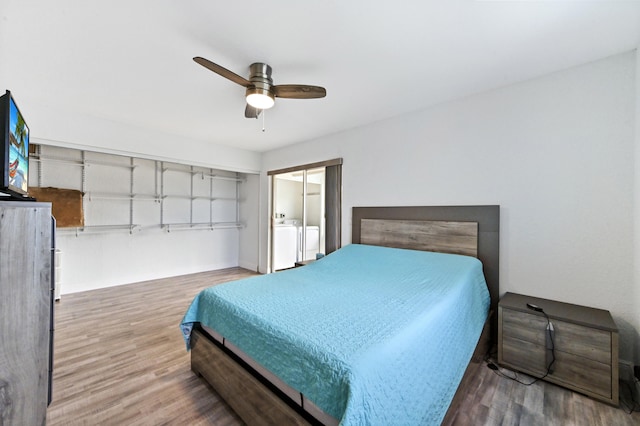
264 114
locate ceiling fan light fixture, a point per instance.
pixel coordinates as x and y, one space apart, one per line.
260 98
261 93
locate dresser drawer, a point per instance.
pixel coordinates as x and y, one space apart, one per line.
570 338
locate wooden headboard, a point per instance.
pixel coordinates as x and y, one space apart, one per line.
470 230
425 235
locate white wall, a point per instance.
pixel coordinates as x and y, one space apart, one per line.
52 126
96 258
105 260
250 206
557 153
636 215
91 261
125 258
289 198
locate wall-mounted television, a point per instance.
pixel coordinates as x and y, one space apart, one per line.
14 149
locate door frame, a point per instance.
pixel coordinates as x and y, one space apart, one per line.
272 173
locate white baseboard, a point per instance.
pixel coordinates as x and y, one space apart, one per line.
252 266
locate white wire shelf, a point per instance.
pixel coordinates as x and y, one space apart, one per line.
202 174
120 196
99 229
169 227
79 163
199 197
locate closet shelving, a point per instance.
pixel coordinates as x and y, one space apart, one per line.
194 195
197 205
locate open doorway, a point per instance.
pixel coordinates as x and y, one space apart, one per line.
305 213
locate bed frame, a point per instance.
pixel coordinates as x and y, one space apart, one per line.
469 230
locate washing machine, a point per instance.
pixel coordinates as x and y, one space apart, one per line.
285 246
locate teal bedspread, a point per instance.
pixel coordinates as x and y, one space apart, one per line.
371 335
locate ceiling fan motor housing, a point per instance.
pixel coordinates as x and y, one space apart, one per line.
260 78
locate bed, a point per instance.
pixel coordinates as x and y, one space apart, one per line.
286 348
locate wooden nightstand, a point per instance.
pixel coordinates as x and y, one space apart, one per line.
585 341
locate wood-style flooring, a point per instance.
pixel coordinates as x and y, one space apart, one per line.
120 360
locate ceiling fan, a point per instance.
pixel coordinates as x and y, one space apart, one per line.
261 92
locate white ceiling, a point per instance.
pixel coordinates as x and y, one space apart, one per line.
131 61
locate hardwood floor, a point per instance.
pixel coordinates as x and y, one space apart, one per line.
496 400
119 357
120 360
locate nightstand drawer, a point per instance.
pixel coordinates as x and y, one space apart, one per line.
571 338
517 352
568 370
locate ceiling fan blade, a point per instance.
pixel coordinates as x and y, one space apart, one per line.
299 91
251 112
222 71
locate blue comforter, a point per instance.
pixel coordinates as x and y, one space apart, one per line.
371 335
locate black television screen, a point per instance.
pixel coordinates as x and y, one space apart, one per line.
14 164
